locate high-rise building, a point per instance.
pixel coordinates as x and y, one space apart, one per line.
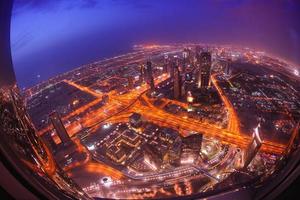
185 59
166 63
150 78
48 139
185 54
227 67
187 83
197 63
198 50
142 73
253 147
59 128
204 72
177 83
175 62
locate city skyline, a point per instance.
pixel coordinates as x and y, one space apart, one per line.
85 31
132 121
150 99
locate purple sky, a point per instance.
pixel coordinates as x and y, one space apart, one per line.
50 37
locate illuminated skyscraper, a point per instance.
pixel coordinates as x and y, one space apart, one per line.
59 127
205 67
253 147
142 73
185 59
175 62
48 139
185 54
177 82
150 79
227 68
198 50
166 63
187 84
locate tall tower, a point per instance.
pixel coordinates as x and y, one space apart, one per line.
177 82
227 67
59 127
205 67
185 56
50 142
174 63
197 53
166 63
150 76
253 147
197 63
142 73
187 84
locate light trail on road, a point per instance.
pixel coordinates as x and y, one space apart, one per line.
233 122
83 88
97 168
130 102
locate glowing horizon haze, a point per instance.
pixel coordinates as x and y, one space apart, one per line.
50 37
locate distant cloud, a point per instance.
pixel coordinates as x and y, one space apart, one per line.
22 41
141 4
19 5
42 5
52 5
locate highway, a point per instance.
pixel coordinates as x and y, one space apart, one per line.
120 107
137 101
233 123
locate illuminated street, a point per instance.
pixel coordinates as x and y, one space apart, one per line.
147 125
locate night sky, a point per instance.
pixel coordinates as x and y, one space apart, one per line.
49 37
